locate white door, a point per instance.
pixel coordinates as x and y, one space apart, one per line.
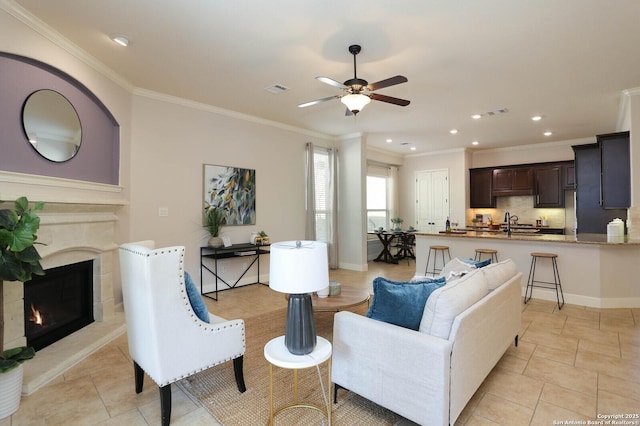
432 200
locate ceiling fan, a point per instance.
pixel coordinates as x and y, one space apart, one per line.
358 91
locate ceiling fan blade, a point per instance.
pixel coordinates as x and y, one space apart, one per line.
317 101
331 82
389 99
392 81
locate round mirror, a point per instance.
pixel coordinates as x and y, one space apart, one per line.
52 125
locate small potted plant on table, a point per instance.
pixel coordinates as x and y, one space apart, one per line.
397 223
213 222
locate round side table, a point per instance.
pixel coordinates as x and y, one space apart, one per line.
277 354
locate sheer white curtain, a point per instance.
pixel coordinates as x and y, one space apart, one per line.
392 192
310 202
321 198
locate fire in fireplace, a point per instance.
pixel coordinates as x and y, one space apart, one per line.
58 303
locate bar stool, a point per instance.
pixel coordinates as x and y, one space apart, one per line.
491 252
548 284
435 250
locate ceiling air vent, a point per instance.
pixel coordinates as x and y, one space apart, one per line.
276 89
498 111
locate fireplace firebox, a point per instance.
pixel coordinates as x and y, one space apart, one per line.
58 303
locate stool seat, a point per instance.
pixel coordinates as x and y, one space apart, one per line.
549 255
491 252
435 249
552 285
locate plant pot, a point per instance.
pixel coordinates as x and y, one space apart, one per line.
10 391
215 242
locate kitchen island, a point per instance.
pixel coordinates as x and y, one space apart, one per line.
595 272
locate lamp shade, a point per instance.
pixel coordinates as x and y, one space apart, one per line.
355 102
296 269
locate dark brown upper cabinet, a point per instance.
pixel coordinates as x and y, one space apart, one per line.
569 172
615 183
549 191
480 181
512 181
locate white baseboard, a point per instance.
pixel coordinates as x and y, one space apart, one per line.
592 302
354 267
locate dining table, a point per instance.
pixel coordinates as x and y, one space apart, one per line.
387 238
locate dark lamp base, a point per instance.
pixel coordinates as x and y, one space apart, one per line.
300 328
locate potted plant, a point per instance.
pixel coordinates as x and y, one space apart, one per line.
264 238
19 261
213 221
397 223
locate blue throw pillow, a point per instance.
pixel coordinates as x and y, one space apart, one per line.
401 303
195 298
478 263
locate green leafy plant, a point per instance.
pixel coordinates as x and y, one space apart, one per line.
213 220
19 260
396 220
262 234
11 358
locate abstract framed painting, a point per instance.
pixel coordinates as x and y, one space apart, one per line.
233 191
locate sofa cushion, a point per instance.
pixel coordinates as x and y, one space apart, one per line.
447 302
499 273
455 268
401 303
197 304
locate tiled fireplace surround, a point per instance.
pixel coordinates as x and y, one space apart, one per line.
72 232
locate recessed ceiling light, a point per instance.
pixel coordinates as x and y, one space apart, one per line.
476 116
413 148
122 40
389 140
453 131
548 133
475 143
536 118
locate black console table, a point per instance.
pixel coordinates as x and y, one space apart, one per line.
249 251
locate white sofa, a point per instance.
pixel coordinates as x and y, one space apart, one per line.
429 375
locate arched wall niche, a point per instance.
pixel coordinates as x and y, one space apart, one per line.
98 158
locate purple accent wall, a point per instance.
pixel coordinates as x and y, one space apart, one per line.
97 160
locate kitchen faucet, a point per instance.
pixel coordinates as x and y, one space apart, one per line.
507 218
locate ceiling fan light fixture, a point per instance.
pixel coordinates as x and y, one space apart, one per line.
355 101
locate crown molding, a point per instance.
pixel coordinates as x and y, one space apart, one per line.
150 94
59 40
625 108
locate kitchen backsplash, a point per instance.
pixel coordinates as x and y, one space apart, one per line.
522 206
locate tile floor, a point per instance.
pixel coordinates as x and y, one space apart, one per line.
571 364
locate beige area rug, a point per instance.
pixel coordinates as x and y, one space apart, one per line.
216 388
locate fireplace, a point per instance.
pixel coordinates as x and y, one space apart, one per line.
58 303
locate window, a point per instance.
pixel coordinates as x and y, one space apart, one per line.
381 195
377 206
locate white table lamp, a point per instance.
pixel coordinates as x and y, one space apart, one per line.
299 268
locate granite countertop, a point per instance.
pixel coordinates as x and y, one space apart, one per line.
600 239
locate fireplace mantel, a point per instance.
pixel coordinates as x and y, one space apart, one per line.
54 190
78 223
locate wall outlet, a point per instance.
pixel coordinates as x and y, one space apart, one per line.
163 211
